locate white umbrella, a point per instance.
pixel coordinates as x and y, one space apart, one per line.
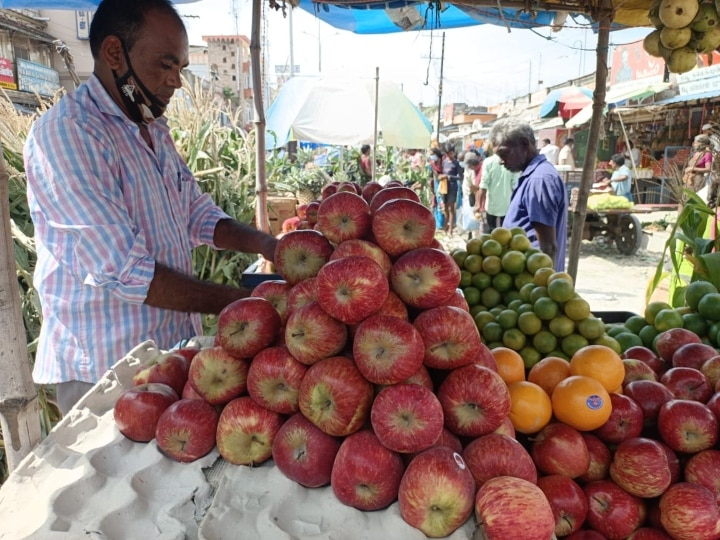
341 110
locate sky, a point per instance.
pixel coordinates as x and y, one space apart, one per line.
483 65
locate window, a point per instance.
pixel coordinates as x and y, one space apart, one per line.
224 48
224 60
22 53
234 78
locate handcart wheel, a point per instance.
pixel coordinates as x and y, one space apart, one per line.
629 237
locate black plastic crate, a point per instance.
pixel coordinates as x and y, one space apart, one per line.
612 317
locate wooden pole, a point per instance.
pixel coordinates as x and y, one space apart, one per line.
601 71
19 406
261 212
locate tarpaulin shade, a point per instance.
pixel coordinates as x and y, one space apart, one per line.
341 110
565 101
72 5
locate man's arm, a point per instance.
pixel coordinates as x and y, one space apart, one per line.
230 234
480 202
547 239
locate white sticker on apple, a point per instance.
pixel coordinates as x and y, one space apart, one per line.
459 460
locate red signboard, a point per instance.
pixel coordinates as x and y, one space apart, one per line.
631 62
7 77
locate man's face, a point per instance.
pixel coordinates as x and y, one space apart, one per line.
160 54
513 154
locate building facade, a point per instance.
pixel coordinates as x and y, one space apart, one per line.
228 62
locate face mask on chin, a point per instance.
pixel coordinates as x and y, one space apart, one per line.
142 105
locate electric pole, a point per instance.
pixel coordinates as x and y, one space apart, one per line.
440 85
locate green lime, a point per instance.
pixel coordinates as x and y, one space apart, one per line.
714 332
561 290
501 235
492 331
490 297
472 296
511 296
529 323
497 310
530 356
524 308
544 341
546 308
696 323
523 278
538 292
627 340
520 242
491 265
561 326
515 303
502 282
482 318
507 319
709 306
538 260
572 343
648 334
695 291
616 328
513 262
495 344
652 308
607 341
635 323
577 309
591 328
492 247
479 308
525 291
474 246
665 319
473 263
558 354
459 255
481 280
518 231
514 339
541 276
465 279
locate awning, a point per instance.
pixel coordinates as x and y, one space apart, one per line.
641 90
689 97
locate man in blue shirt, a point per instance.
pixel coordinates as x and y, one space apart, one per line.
539 202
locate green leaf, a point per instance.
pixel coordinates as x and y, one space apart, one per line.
711 261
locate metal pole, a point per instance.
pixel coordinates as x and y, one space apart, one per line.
442 63
292 53
319 49
377 107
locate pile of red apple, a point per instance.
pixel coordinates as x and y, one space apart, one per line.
363 370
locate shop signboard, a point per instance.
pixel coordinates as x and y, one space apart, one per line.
34 77
699 81
7 78
82 23
631 62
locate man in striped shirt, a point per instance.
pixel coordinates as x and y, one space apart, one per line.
117 211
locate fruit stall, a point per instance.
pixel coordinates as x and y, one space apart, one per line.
393 389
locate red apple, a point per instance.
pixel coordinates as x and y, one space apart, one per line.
274 379
646 533
457 299
690 512
475 400
302 293
303 452
640 466
393 307
714 404
189 392
567 500
401 225
247 326
217 376
424 278
407 418
687 426
366 475
636 370
346 187
421 377
560 449
509 507
137 410
506 428
436 492
711 369
390 193
585 534
329 189
673 462
693 355
343 216
625 421
301 211
650 396
369 190
387 350
335 396
311 334
187 352
169 368
671 340
311 212
638 352
186 430
450 335
612 511
687 383
245 432
600 459
276 292
350 248
300 254
352 288
493 455
704 468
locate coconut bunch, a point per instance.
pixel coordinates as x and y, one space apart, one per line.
683 29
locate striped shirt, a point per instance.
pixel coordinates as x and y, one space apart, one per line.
106 207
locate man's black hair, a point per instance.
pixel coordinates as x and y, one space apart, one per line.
124 19
619 159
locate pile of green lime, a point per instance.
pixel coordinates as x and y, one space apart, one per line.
519 301
700 314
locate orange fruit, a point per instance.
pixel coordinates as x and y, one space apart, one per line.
581 402
599 362
548 372
530 407
510 364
